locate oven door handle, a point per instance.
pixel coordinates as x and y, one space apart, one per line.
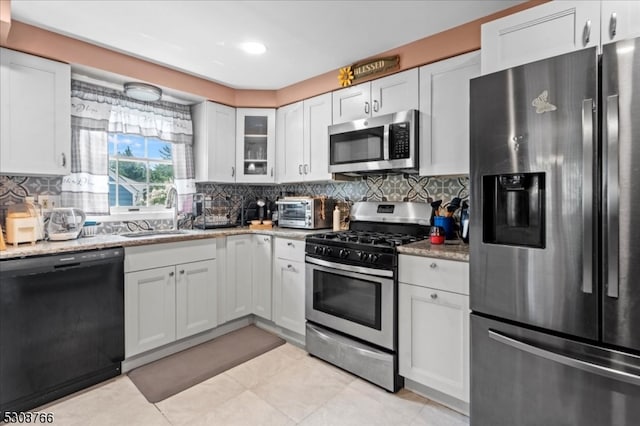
349 268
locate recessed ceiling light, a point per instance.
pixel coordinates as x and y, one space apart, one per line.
253 47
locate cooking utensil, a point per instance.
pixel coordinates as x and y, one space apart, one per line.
435 207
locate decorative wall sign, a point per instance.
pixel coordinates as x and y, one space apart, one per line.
347 75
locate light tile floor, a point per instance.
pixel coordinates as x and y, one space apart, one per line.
282 387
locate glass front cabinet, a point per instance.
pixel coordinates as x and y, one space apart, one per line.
255 145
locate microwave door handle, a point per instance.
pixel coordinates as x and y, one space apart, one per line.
385 143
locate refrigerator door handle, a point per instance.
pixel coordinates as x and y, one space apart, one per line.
612 197
589 367
587 195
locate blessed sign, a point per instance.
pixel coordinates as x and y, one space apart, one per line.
348 75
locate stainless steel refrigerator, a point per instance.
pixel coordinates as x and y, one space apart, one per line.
555 241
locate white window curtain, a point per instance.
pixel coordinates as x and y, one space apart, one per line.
97 111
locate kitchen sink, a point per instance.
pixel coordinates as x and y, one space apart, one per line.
153 233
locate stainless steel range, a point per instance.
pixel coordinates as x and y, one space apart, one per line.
352 289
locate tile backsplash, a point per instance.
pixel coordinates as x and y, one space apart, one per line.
393 187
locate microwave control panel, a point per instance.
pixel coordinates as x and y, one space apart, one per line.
399 140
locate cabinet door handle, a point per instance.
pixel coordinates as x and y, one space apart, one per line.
171 274
433 266
233 171
272 172
290 244
266 239
613 24
290 267
366 107
299 169
434 296
63 159
306 169
182 272
375 105
586 35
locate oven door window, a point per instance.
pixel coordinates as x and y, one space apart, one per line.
357 146
349 298
292 211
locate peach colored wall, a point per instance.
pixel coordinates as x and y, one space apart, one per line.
5 19
37 41
455 41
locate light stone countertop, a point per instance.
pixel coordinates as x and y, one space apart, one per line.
455 250
108 241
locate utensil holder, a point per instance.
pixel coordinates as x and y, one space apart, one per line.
445 223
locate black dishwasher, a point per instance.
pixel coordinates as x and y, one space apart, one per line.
61 325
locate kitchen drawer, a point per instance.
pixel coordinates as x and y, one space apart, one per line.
290 249
139 258
440 274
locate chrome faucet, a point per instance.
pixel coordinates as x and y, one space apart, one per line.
172 202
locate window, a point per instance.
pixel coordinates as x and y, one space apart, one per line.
140 171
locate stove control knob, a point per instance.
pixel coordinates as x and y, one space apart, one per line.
361 255
328 251
316 249
343 253
373 258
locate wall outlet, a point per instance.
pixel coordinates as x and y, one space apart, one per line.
48 202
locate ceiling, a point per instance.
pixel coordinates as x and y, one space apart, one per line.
201 37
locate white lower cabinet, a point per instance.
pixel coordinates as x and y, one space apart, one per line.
170 293
248 282
261 284
433 324
150 309
239 276
196 298
288 285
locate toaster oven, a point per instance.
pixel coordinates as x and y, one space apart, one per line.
305 212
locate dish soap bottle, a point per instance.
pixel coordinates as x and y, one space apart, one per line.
336 219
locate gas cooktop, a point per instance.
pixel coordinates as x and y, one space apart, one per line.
376 229
384 239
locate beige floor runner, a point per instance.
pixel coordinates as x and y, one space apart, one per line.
175 373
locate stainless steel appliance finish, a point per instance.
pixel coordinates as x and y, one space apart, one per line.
384 143
305 212
553 317
366 361
621 233
61 325
508 136
523 377
358 301
351 289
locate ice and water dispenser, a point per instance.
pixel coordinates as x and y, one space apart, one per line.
513 209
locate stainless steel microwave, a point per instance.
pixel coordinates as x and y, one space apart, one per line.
384 143
305 212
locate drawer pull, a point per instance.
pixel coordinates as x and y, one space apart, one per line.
290 244
171 274
266 239
182 272
433 265
434 296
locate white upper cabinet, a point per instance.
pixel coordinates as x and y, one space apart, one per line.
289 143
302 140
444 114
255 145
214 142
317 119
35 115
547 30
397 92
620 20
